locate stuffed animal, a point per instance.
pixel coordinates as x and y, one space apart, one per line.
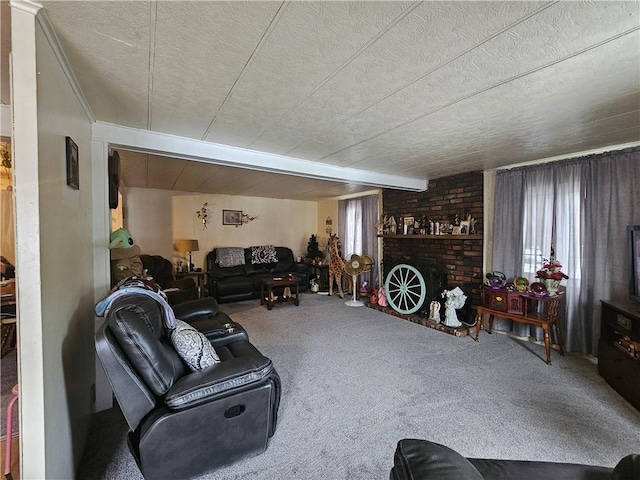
125 256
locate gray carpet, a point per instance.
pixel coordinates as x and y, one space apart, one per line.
355 381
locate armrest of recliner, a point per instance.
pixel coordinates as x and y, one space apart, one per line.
421 460
218 381
185 283
202 307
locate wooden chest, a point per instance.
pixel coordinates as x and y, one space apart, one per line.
502 300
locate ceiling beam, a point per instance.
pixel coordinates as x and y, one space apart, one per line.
145 141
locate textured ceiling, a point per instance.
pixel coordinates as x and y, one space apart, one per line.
419 89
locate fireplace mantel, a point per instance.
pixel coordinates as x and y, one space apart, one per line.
476 236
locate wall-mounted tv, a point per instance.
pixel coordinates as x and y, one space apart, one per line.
633 232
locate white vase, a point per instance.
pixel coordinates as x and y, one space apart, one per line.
552 285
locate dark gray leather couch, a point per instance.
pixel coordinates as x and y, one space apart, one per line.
243 282
184 423
424 460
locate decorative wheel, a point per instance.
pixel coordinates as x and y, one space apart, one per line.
405 289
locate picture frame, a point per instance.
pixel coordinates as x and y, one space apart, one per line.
464 227
455 231
73 169
408 222
232 217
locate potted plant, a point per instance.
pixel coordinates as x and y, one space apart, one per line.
551 274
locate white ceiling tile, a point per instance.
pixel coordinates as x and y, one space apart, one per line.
310 41
422 89
201 49
107 45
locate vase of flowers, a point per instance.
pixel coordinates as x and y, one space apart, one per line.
551 274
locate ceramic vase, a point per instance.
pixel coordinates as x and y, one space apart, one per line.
552 285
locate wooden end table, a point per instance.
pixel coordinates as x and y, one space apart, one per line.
543 312
266 291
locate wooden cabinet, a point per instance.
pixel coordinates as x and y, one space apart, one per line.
619 348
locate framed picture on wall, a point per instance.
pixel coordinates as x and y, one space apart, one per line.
73 175
232 217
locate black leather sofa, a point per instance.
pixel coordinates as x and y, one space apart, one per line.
425 460
243 282
184 423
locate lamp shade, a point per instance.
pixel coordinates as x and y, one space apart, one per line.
188 246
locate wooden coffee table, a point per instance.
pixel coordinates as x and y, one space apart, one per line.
267 296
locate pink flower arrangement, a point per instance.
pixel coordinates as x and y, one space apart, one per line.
551 268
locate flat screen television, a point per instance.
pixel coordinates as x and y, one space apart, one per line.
633 232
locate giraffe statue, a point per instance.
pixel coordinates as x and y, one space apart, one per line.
336 265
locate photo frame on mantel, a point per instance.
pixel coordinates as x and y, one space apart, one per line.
232 217
464 228
73 170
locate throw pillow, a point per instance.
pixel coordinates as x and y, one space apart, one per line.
193 347
229 256
264 254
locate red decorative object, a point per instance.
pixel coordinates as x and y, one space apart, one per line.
374 297
538 289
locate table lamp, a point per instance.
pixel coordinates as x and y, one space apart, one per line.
188 246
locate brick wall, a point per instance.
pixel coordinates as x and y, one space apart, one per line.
460 257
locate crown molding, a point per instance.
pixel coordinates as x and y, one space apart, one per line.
145 141
43 20
26 6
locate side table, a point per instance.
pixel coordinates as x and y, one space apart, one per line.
266 291
543 312
199 278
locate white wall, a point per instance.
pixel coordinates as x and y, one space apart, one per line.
158 219
148 216
54 236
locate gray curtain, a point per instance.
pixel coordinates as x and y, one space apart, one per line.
357 218
581 207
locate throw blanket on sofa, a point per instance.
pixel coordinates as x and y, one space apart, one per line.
229 256
142 286
264 254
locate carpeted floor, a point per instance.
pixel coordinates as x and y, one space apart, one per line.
355 381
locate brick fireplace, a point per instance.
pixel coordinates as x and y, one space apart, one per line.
460 257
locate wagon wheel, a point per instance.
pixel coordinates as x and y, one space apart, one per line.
405 289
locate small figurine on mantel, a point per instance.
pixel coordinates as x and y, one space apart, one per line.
423 224
392 226
472 224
